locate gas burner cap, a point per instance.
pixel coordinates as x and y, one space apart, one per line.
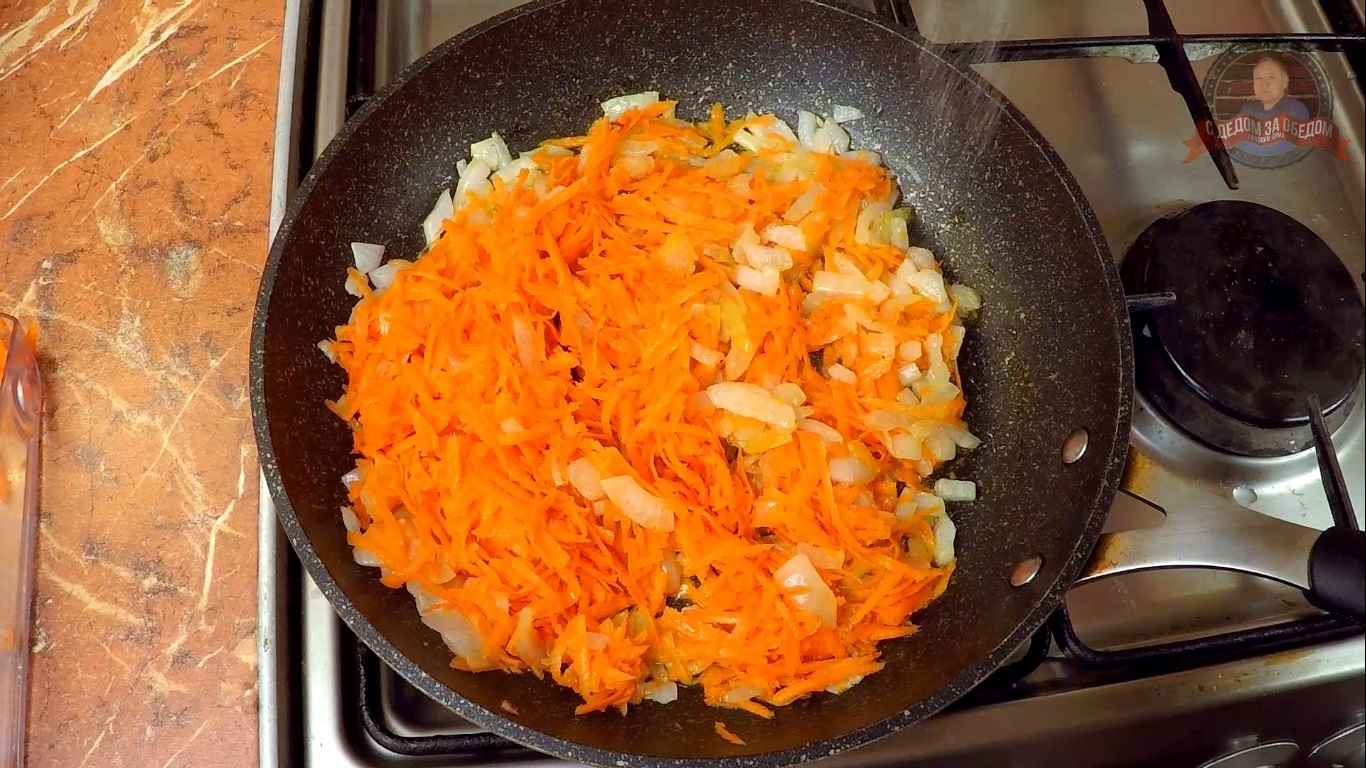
1266 314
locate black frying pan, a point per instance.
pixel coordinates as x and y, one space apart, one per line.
1050 354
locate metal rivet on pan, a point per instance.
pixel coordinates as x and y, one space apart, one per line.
1074 447
1025 570
1245 495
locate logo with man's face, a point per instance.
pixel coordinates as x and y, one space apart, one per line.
1271 108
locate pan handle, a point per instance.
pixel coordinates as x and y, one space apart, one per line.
1330 566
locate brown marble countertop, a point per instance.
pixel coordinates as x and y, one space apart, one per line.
135 149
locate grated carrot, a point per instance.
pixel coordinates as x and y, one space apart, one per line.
557 319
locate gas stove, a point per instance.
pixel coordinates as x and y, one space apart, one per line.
1175 667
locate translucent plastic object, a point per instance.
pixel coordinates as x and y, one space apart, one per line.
20 415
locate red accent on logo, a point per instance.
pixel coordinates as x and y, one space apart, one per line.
1318 133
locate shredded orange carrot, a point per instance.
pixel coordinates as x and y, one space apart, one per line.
725 733
569 329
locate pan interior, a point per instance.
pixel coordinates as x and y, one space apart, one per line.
1047 355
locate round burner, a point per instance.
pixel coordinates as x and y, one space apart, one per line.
1266 314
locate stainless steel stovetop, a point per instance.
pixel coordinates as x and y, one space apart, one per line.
1119 127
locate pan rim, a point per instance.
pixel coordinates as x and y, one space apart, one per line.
367 633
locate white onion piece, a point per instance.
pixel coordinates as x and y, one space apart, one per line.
843 114
825 559
838 372
444 209
955 490
366 558
741 693
384 275
908 374
800 579
886 421
909 351
475 179
880 344
526 644
824 431
764 282
866 156
644 508
705 355
930 284
614 108
787 236
964 439
460 635
845 286
767 257
525 339
944 534
953 341
941 447
585 479
752 401
492 152
354 285
803 205
968 299
508 173
367 256
790 393
328 351
920 257
350 520
663 693
837 136
905 447
929 504
848 470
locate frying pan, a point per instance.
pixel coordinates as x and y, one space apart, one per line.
1050 354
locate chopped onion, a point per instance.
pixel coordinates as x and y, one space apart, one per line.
614 108
367 256
845 286
767 257
848 470
844 685
843 114
800 579
384 275
866 156
444 209
527 353
366 558
326 347
824 431
662 693
963 438
920 257
825 559
944 534
474 180
953 341
790 393
908 374
941 447
909 351
880 344
741 693
585 479
930 504
705 355
968 299
837 136
460 635
644 508
354 285
838 372
787 236
752 401
764 282
905 447
350 520
804 204
526 644
886 421
930 284
492 152
955 490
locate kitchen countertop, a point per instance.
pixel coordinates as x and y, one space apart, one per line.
135 159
